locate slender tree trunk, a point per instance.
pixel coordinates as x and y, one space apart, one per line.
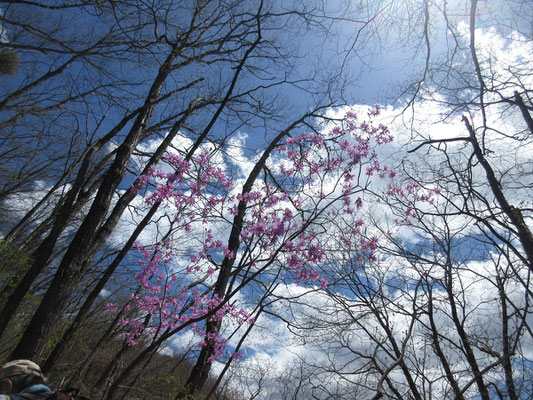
438 350
107 373
200 371
42 254
507 362
223 278
398 353
524 110
15 232
513 213
117 211
138 375
469 353
86 365
82 248
60 218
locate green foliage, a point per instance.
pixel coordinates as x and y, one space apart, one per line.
162 385
161 378
13 264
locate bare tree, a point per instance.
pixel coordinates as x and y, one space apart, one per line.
444 311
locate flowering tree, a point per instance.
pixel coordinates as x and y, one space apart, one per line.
174 61
277 230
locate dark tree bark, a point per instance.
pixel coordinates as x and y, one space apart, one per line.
202 366
81 248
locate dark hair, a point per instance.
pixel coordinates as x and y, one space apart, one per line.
21 382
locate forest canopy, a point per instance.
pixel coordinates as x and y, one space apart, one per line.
268 199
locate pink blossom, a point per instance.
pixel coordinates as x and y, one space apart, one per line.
294 262
229 254
287 214
277 228
197 191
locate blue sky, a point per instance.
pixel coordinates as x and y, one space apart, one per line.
377 69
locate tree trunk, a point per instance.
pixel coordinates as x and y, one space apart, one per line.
41 256
62 216
82 248
111 223
200 371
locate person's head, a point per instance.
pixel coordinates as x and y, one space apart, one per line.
17 375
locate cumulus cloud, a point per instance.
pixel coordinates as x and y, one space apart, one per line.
355 325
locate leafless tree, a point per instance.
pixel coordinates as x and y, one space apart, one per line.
445 312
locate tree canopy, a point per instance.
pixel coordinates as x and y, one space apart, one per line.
200 199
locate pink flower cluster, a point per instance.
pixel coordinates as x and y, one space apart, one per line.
411 194
323 177
135 330
175 309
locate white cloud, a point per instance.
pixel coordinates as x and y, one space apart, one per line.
353 320
235 152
